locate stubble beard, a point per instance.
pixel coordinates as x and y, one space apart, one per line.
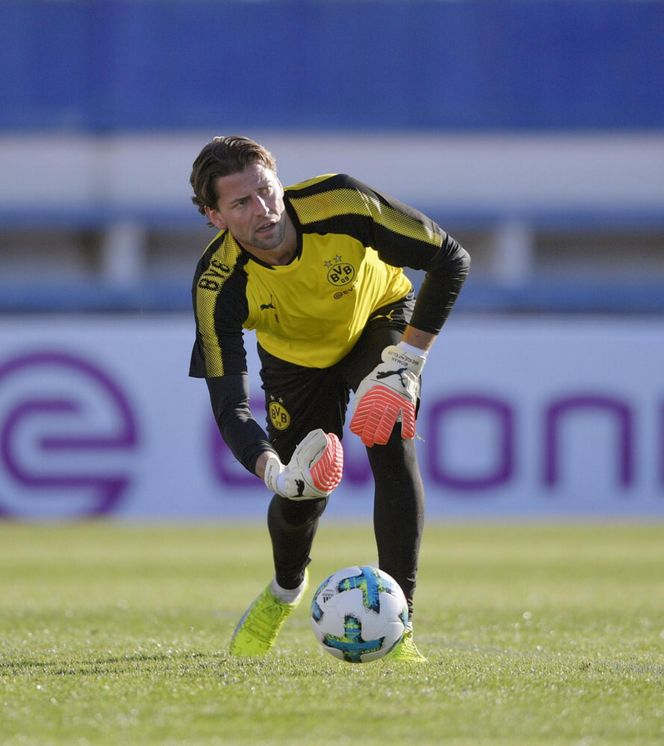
274 240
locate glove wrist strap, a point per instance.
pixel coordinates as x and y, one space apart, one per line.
273 469
405 354
411 350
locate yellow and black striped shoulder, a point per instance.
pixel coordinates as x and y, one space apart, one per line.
328 197
220 258
338 203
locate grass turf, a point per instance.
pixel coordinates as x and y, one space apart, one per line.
535 634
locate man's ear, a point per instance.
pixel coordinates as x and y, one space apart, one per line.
215 218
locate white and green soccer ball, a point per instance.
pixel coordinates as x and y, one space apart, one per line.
359 614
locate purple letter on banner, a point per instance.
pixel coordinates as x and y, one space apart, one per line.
622 416
661 443
40 404
501 413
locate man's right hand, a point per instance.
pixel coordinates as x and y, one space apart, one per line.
314 470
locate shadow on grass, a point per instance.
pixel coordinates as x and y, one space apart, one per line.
113 664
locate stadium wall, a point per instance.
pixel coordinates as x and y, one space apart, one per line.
521 417
545 178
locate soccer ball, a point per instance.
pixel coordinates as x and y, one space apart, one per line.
359 614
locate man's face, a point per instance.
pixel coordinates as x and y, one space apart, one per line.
251 207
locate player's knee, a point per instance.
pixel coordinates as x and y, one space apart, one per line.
395 457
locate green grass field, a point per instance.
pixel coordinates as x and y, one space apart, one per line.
535 634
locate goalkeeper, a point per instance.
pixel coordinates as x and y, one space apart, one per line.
316 270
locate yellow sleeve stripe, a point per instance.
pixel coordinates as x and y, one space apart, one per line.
206 302
310 182
338 202
208 289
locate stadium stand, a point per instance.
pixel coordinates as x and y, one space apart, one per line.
534 132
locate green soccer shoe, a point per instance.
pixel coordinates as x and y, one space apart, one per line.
405 651
257 630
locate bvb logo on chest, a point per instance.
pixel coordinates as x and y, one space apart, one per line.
279 416
339 273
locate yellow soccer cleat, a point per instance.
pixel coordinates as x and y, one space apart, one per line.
257 630
405 651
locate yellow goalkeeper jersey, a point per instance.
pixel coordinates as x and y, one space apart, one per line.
352 245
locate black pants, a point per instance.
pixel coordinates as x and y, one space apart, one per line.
300 399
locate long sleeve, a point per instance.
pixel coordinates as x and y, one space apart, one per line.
441 286
229 396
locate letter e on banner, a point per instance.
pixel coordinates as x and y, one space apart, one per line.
63 423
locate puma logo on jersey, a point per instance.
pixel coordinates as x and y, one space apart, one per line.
270 307
387 316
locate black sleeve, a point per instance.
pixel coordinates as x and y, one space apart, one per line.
229 396
446 273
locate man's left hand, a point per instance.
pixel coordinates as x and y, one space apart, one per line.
388 395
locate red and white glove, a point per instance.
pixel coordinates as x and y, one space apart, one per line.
315 468
389 395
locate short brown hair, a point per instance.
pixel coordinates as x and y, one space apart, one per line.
222 156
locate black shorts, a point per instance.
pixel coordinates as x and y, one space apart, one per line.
300 399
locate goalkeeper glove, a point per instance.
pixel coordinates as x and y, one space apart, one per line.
389 394
314 470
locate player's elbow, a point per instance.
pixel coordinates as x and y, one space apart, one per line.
453 260
463 260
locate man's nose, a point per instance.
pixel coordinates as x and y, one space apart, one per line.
261 206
